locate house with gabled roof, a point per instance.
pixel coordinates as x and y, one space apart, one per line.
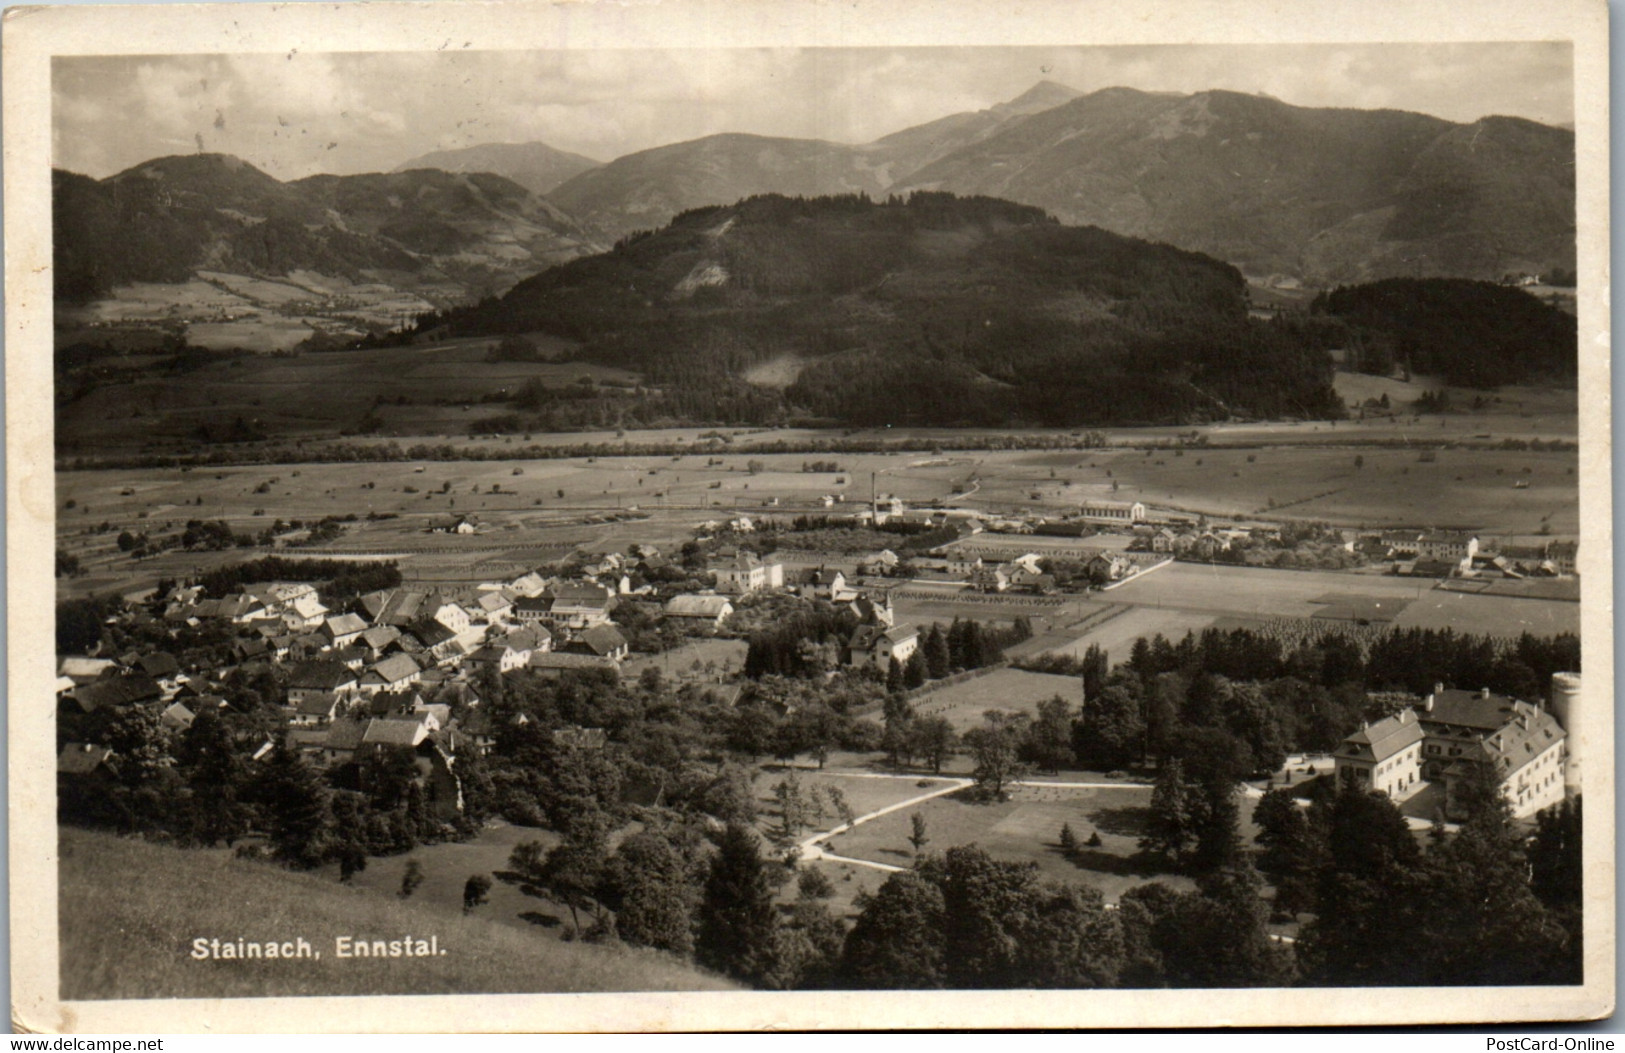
876 645
529 638
498 656
393 733
177 717
83 670
555 663
395 673
532 610
528 584
746 573
341 630
711 610
315 710
1121 512
378 637
117 691
494 606
81 759
579 607
317 677
1448 547
1384 757
605 640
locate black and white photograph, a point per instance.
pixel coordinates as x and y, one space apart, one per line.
766 509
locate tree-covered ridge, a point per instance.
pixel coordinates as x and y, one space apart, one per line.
1471 333
930 309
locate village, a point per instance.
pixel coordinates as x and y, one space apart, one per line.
403 668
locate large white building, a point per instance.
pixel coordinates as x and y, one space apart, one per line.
1124 512
1385 757
1451 734
745 573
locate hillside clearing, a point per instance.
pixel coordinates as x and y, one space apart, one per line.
130 910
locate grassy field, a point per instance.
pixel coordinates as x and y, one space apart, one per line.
1011 690
312 394
1117 636
1260 594
681 662
130 911
864 793
1027 828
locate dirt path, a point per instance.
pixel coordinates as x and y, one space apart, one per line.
812 848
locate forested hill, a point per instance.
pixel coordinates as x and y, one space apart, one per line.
166 219
933 309
1474 334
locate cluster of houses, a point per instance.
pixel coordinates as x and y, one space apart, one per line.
1446 554
1453 735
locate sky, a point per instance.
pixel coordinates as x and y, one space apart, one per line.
299 114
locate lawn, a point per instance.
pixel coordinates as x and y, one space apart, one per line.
865 793
448 866
1011 690
1027 828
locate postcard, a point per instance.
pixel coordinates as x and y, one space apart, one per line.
693 515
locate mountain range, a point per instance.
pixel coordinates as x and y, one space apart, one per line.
537 167
166 219
1285 193
1319 195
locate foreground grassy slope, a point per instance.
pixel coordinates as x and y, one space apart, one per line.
129 911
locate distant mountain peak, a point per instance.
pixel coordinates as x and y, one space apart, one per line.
536 166
1041 96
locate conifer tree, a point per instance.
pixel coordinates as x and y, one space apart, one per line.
736 914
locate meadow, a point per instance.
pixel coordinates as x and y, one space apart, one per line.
1027 828
1010 690
129 911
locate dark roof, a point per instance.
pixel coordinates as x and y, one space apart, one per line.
81 758
539 604
116 691
528 638
1470 709
430 632
582 596
322 674
317 705
1377 742
557 660
603 639
345 734
158 665
1527 735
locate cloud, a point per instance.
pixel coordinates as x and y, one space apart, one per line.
281 111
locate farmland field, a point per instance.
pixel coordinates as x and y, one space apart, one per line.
1011 690
1260 594
1117 635
1026 828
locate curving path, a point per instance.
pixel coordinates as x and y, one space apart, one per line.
812 847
